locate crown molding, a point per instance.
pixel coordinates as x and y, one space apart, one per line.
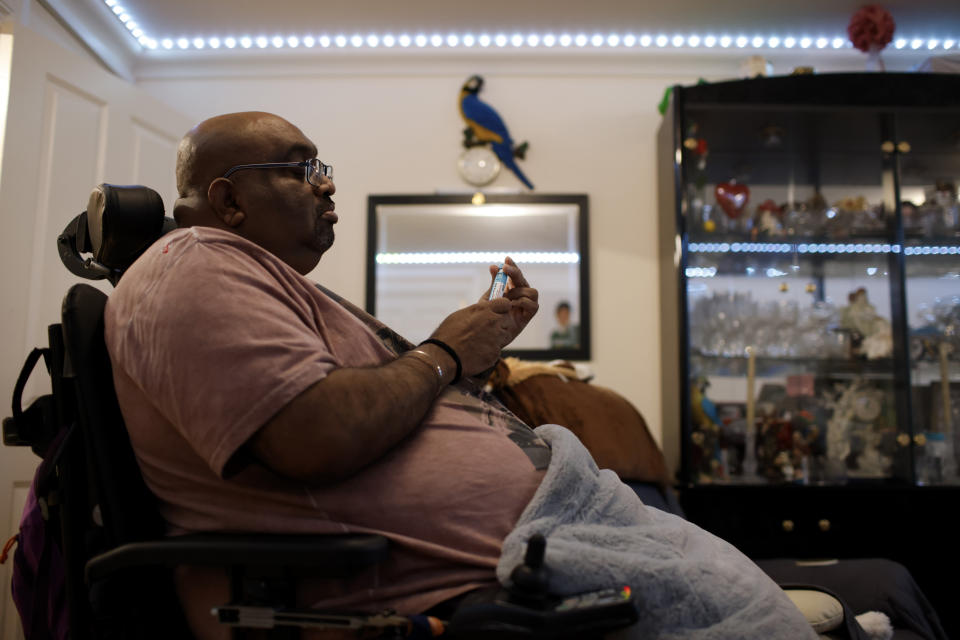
92 25
670 63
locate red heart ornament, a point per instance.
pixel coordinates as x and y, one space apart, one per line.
732 198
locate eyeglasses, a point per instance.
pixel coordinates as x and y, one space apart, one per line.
314 170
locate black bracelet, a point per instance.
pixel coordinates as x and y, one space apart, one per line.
453 354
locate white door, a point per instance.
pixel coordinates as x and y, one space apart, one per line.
70 126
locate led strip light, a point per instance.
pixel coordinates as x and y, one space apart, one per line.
812 247
701 272
478 257
805 248
931 251
502 40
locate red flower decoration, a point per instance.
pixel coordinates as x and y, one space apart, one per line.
871 28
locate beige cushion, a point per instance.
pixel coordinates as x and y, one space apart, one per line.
822 611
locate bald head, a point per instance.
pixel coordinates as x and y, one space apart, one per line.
280 208
209 149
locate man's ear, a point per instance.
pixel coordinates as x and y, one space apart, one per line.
222 196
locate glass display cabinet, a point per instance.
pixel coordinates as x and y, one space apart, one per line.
810 264
810 294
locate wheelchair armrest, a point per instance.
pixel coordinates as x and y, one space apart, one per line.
323 555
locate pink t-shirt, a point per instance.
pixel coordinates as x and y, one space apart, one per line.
210 336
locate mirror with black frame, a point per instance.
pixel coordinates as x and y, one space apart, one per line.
427 256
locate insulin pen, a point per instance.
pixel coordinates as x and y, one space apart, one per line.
499 284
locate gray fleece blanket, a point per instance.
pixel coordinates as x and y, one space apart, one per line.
688 583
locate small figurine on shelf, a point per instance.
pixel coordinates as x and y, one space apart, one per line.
806 218
860 435
945 196
700 211
784 464
854 215
852 204
871 461
775 451
807 435
862 318
756 67
768 222
706 433
939 215
841 402
839 218
911 218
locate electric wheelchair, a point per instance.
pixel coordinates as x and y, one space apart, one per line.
117 562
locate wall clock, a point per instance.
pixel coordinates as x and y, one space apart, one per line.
478 166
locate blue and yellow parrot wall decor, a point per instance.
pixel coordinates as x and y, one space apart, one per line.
484 125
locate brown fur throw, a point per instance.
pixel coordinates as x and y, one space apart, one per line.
608 425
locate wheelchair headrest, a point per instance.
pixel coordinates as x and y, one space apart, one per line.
119 224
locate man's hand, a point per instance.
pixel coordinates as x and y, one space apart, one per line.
523 297
478 332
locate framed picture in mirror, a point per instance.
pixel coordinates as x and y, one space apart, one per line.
428 255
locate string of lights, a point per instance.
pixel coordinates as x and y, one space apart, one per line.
503 40
785 247
821 247
478 257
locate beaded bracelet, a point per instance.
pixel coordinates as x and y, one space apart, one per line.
453 354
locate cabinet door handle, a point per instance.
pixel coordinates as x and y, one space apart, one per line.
887 146
920 440
824 525
787 525
903 146
903 439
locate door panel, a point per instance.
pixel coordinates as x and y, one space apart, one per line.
72 146
70 125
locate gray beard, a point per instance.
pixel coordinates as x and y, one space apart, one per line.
324 234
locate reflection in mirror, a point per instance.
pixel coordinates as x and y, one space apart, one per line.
427 256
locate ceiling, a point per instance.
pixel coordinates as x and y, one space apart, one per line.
168 29
175 18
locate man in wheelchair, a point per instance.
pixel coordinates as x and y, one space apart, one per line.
258 402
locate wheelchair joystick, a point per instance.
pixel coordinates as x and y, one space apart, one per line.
529 580
526 610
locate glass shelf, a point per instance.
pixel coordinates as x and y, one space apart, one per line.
881 368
